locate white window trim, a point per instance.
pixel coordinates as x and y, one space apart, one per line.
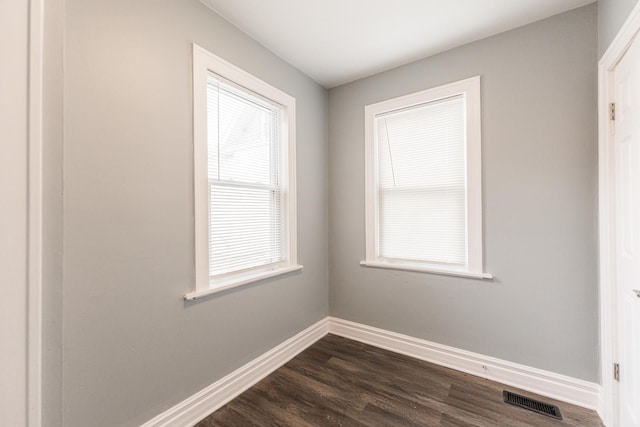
471 89
203 63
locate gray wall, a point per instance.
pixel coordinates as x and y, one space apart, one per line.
131 346
611 16
539 193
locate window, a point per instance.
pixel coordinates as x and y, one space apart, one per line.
424 202
244 167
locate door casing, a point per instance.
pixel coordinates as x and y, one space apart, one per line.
608 402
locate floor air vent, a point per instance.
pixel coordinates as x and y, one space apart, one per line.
532 405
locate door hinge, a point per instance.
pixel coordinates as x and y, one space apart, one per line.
612 111
616 371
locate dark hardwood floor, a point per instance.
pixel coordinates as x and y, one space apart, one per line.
339 382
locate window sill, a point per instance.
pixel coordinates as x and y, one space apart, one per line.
405 267
244 280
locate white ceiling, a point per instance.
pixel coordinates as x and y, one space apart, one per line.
338 41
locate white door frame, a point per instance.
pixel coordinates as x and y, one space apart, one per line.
607 407
23 295
35 212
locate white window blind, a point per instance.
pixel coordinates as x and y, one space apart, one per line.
246 216
421 183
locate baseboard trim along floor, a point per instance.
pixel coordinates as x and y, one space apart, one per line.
218 394
545 383
213 397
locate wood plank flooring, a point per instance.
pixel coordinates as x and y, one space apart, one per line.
339 382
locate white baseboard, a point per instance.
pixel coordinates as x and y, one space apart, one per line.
556 386
212 398
201 404
605 415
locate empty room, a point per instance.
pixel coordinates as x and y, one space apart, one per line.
320 213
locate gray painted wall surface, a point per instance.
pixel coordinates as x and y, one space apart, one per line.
611 16
132 347
539 182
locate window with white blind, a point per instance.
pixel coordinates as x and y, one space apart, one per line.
424 202
244 165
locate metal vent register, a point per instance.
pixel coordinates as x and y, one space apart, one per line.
532 405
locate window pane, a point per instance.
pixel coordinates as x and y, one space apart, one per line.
242 135
423 225
245 229
422 146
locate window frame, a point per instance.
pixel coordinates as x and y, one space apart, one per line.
470 89
205 62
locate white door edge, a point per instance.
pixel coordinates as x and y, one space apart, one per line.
608 344
34 260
